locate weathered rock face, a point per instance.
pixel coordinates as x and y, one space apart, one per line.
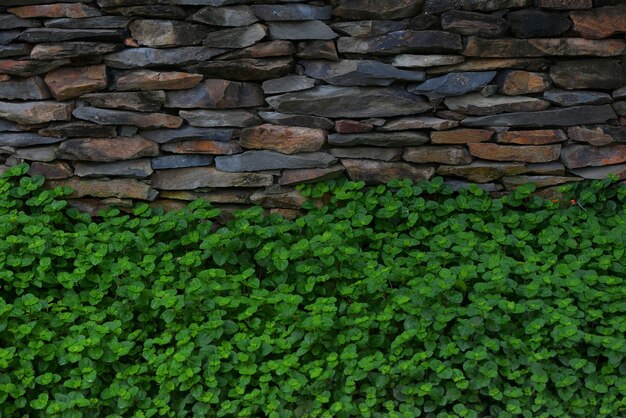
517 82
69 82
245 69
123 117
236 37
32 88
588 74
401 42
35 112
601 22
533 23
195 178
525 153
476 104
533 137
577 156
358 72
284 139
143 101
310 29
568 47
453 84
166 33
217 94
270 160
107 149
153 57
374 172
470 23
379 139
156 80
558 117
450 155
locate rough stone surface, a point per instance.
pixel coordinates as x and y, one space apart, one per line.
51 51
368 28
202 147
577 156
156 80
78 129
599 173
482 171
144 101
401 42
489 64
379 139
119 188
419 122
453 84
425 61
236 37
577 98
225 16
28 68
569 116
310 29
540 181
44 153
51 171
162 136
534 137
32 88
461 136
314 50
349 126
594 136
35 112
245 69
278 118
166 33
261 50
309 175
154 57
372 172
533 23
278 198
69 82
292 12
370 153
476 104
563 47
217 94
439 6
358 72
525 153
74 11
366 9
284 139
516 82
198 177
471 23
181 161
601 22
124 117
24 139
287 84
588 74
131 168
271 160
220 118
564 4
39 35
107 149
442 154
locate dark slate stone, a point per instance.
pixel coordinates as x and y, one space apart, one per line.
296 120
423 22
162 136
236 37
618 133
180 161
270 160
220 118
368 28
9 21
14 50
225 16
620 108
399 42
78 130
380 139
471 23
440 6
287 84
139 168
166 33
99 22
577 98
453 84
323 50
534 23
310 29
292 12
620 94
125 117
32 88
72 50
358 72
568 116
6 126
9 36
38 35
155 57
25 139
144 101
27 67
155 11
217 94
602 74
366 9
245 69
7 3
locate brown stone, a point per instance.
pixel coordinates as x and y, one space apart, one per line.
32 88
73 11
28 67
196 177
552 168
577 156
471 23
370 153
278 198
166 33
461 136
443 154
126 168
51 171
419 122
564 47
525 153
238 196
482 171
477 104
217 94
601 22
49 51
69 82
317 50
536 137
156 80
32 113
144 101
107 149
262 50
377 172
284 139
593 136
203 147
510 183
4 77
308 175
125 117
349 126
588 74
119 188
78 129
245 69
488 64
564 4
515 82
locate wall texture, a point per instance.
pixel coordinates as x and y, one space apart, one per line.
236 101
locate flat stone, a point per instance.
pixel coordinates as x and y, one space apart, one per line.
323 50
457 185
143 101
440 6
400 42
309 175
423 22
453 84
565 4
236 37
217 94
366 9
620 108
296 120
6 37
71 50
270 160
32 88
513 182
152 11
310 29
588 74
41 35
620 94
577 156
278 198
99 22
44 153
194 178
24 139
379 139
162 136
220 118
29 68
180 161
246 69
349 126
600 173
239 196
488 64
442 154
166 33
51 171
594 136
9 21
107 149
370 153
261 50
534 137
425 61
32 113
419 122
202 147
15 50
358 72
119 188
132 168
471 23
380 172
283 139
552 168
124 117
461 136
225 16
156 80
517 82
525 153
368 28
69 82
73 11
154 57
600 22
569 116
476 104
292 12
563 47
577 98
483 171
533 23
350 102
78 129
6 126
287 84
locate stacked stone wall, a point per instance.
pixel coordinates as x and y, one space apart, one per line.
237 101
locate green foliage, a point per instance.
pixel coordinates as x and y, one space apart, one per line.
399 301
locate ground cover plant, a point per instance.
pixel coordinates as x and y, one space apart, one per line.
399 301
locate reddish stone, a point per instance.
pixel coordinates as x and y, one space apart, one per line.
593 136
107 149
278 198
203 147
536 137
69 82
525 153
119 188
32 113
156 80
309 175
27 67
419 122
4 77
377 172
285 139
482 171
460 136
450 154
601 22
564 4
196 177
349 126
577 156
262 50
517 82
51 171
570 47
73 11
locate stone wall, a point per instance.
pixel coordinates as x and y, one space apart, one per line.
236 101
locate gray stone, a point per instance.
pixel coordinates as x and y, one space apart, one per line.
367 9
601 74
620 94
236 37
400 42
296 120
419 122
217 94
620 108
377 172
78 129
162 136
220 118
368 28
510 183
6 37
153 11
578 156
533 23
14 50
310 175
71 50
453 84
470 23
379 139
349 102
32 88
287 84
270 160
439 6
577 98
124 117
24 139
6 126
323 50
225 16
552 168
358 72
32 113
153 57
423 22
194 178
166 33
9 21
441 154
476 104
310 29
180 161
482 171
246 69
39 35
107 149
131 168
261 50
568 116
144 101
424 61
46 153
457 185
292 12
99 22
600 173
29 68
370 153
